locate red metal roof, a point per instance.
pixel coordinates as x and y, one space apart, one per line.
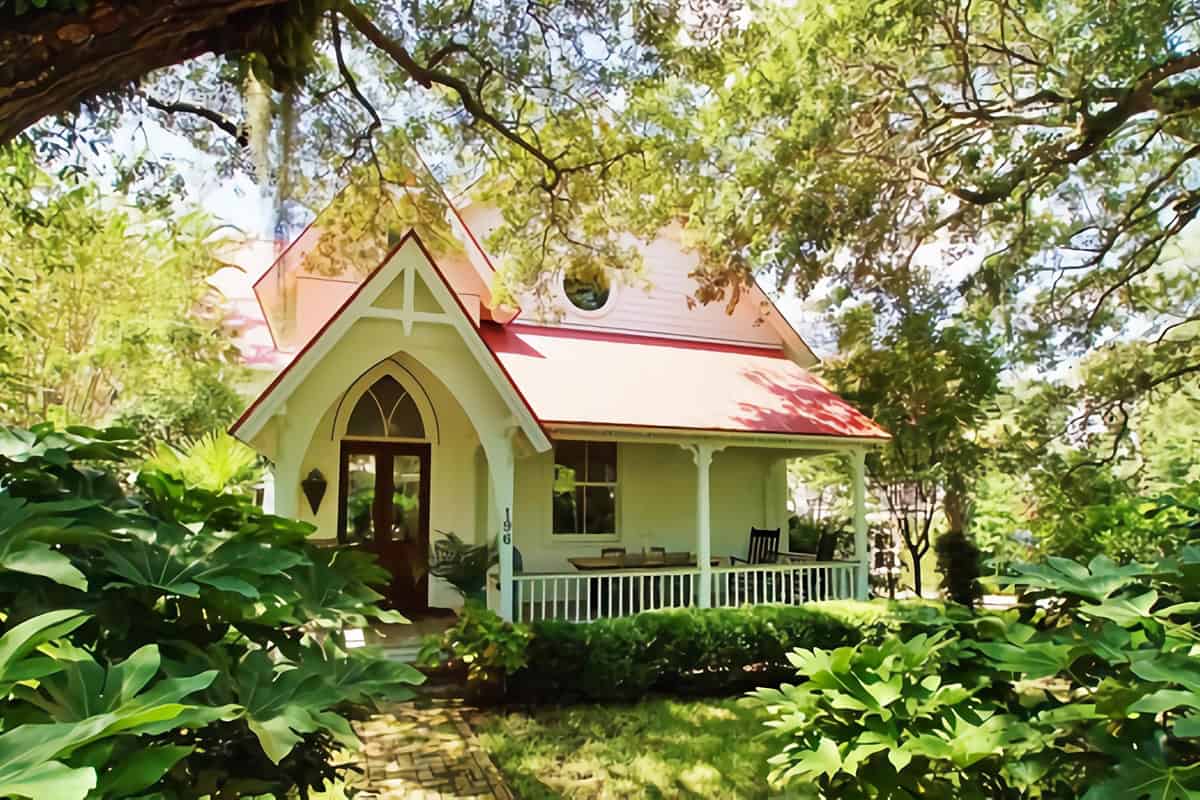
594 378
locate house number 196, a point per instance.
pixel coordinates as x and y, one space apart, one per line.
507 538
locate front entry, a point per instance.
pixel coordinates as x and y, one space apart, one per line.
384 509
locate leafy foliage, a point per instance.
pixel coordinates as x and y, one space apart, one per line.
111 317
215 462
958 561
485 646
931 380
692 651
165 639
1089 688
464 566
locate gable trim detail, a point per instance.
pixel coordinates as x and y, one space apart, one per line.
358 306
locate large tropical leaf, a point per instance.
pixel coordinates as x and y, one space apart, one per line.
1099 580
284 701
174 559
16 645
1144 774
125 697
30 765
29 531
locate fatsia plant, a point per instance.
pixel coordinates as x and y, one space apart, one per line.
216 461
1089 688
166 640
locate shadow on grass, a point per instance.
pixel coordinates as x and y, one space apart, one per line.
659 748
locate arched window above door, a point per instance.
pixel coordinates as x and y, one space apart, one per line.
386 410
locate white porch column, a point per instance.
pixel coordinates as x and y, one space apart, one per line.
858 458
502 467
289 453
268 490
702 454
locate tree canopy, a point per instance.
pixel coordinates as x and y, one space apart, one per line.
1031 166
108 310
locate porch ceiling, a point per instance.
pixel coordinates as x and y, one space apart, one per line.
574 378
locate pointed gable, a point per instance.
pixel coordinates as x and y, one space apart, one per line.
407 287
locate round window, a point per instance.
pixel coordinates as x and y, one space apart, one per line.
587 293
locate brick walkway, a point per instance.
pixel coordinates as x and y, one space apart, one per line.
426 751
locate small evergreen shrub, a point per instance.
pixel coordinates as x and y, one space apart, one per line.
958 561
686 651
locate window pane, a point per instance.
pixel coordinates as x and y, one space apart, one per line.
360 498
386 409
366 419
567 511
569 461
602 462
600 509
406 498
405 419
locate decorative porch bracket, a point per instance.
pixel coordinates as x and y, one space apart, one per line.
702 454
858 461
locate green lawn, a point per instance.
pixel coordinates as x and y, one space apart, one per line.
660 748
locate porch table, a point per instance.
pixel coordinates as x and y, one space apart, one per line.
634 591
637 561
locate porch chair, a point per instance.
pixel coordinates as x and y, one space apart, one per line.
827 545
763 548
826 550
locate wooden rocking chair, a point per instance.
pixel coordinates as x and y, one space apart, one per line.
763 548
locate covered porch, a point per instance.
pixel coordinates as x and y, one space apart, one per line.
722 566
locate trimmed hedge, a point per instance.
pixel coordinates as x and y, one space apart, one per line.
687 651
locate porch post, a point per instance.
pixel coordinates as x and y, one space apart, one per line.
858 459
702 454
286 475
501 463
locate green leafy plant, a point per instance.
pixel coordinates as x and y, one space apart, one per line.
464 566
486 647
164 640
216 462
958 561
1088 688
684 652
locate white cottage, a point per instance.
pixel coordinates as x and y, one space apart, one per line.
620 450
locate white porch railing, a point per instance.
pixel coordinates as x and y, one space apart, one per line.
587 596
786 584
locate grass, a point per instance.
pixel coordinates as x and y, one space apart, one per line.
659 748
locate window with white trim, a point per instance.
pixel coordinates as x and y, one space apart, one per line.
584 495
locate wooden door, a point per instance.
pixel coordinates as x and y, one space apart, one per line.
383 502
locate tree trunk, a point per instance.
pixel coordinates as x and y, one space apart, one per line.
914 554
50 61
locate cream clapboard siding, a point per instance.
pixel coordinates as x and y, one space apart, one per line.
654 302
431 351
657 504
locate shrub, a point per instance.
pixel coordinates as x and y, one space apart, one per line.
1089 688
687 651
161 640
485 647
958 561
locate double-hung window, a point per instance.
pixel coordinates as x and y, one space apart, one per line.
585 489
